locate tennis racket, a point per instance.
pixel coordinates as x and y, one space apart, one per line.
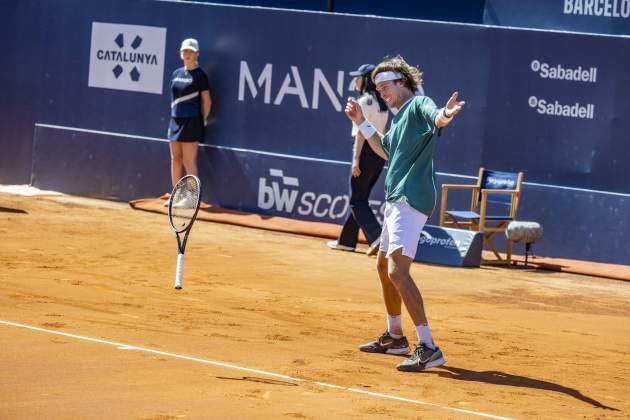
182 212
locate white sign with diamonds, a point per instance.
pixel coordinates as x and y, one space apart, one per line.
127 57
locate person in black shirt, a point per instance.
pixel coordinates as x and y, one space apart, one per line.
190 107
366 168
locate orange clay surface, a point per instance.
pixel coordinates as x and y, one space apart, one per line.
518 343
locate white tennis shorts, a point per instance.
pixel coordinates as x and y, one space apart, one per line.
401 228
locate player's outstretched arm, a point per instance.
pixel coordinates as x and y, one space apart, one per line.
452 108
373 137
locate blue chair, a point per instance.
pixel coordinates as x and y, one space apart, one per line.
493 204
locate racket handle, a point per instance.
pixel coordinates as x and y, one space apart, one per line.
180 271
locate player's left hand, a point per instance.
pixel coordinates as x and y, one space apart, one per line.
354 112
453 106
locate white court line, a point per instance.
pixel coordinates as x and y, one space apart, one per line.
312 159
122 346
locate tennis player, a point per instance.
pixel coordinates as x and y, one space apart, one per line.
410 194
190 107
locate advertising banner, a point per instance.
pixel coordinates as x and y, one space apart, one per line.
592 16
548 104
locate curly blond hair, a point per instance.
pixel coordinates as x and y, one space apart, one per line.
412 76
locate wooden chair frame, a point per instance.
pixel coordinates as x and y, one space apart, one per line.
479 205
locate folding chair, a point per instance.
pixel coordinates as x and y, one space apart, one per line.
494 203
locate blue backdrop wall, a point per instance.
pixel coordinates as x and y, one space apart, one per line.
548 104
593 16
468 11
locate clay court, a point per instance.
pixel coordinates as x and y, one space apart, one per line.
267 326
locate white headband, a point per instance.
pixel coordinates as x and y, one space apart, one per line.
386 76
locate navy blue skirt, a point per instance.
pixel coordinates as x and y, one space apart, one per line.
186 129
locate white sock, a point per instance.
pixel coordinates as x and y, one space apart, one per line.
424 335
394 323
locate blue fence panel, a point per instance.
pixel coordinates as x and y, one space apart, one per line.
278 141
592 16
99 165
469 11
558 128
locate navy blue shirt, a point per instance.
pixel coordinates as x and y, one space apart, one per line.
186 88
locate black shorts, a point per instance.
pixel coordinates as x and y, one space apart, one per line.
186 129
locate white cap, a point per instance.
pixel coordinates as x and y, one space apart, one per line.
189 44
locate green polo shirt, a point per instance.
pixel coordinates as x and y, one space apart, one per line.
409 144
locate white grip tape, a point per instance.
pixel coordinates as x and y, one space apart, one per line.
180 271
367 129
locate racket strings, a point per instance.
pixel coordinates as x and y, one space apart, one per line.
184 202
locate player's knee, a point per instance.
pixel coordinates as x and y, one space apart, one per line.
190 164
382 270
382 266
177 159
397 275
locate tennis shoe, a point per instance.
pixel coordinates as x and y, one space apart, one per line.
387 344
422 358
184 203
373 248
336 245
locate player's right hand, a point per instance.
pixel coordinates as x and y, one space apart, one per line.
355 170
354 112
